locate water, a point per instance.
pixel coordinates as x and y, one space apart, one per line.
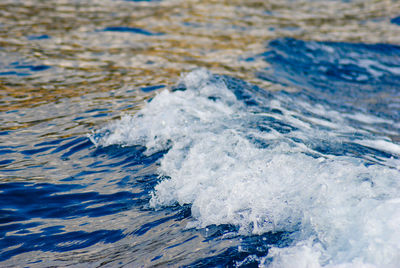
213 133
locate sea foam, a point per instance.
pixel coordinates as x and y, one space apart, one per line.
270 162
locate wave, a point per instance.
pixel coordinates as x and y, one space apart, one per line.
273 162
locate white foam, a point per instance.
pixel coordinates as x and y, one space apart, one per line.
384 145
343 213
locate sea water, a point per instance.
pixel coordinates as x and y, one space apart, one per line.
199 134
272 163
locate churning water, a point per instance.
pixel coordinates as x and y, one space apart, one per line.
213 133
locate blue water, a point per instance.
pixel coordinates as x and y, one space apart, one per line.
395 20
213 171
22 69
350 76
123 29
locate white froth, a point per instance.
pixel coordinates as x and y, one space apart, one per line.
383 145
343 212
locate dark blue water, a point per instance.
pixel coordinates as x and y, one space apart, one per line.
22 69
133 30
395 20
352 76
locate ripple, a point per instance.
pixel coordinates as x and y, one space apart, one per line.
124 29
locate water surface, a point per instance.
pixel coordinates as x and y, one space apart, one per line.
187 133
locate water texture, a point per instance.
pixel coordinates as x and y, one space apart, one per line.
199 134
350 74
243 157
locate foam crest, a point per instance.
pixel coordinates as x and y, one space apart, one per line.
277 165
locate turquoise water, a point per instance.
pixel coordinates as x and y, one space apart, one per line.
239 134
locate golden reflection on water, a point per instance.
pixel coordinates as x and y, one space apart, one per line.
217 35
